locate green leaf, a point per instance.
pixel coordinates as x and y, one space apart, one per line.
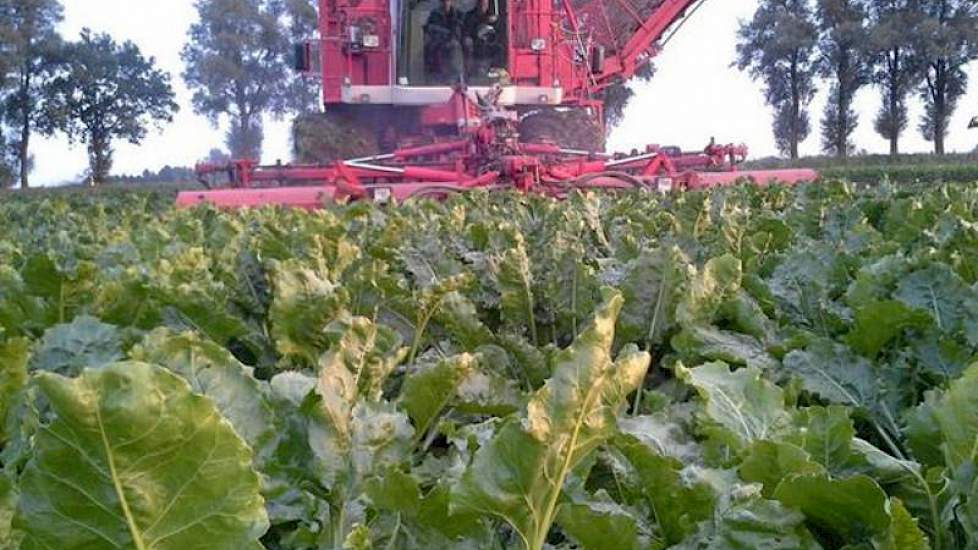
833 372
752 524
460 318
878 323
8 504
602 524
904 533
211 370
854 509
66 289
351 374
803 284
718 282
665 434
826 434
713 344
129 301
942 355
426 393
303 304
368 351
441 298
358 539
769 463
394 491
650 288
21 313
353 439
744 406
85 342
941 293
923 431
488 393
519 474
514 280
956 416
653 472
744 314
437 515
133 459
569 288
866 458
14 355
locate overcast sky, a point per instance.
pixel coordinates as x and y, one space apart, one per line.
695 94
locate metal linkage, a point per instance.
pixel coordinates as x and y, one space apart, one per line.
455 166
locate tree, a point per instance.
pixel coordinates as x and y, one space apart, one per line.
842 59
896 69
109 91
948 41
6 166
305 92
236 64
778 47
618 95
33 57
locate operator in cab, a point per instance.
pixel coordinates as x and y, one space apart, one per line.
481 41
443 51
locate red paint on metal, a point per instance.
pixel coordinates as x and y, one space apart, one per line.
550 46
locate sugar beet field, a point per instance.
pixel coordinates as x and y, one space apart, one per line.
745 369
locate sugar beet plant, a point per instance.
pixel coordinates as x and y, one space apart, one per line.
777 369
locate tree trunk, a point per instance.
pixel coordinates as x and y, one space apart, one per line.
841 136
894 100
23 148
24 153
894 103
940 109
841 108
795 109
100 160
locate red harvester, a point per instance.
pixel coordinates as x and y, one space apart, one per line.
502 125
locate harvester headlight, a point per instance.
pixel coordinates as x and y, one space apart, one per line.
371 41
538 44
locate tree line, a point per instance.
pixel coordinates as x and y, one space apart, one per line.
92 90
96 91
900 47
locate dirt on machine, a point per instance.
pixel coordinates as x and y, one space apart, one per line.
434 97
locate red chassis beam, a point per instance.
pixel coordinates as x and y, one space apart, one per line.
440 169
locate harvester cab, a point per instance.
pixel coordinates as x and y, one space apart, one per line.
453 95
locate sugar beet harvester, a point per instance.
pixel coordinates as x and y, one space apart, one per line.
513 117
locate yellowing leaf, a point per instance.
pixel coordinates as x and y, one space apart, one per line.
133 459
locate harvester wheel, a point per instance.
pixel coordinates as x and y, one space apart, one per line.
435 192
623 177
566 128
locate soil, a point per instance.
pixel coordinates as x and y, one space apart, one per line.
568 128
